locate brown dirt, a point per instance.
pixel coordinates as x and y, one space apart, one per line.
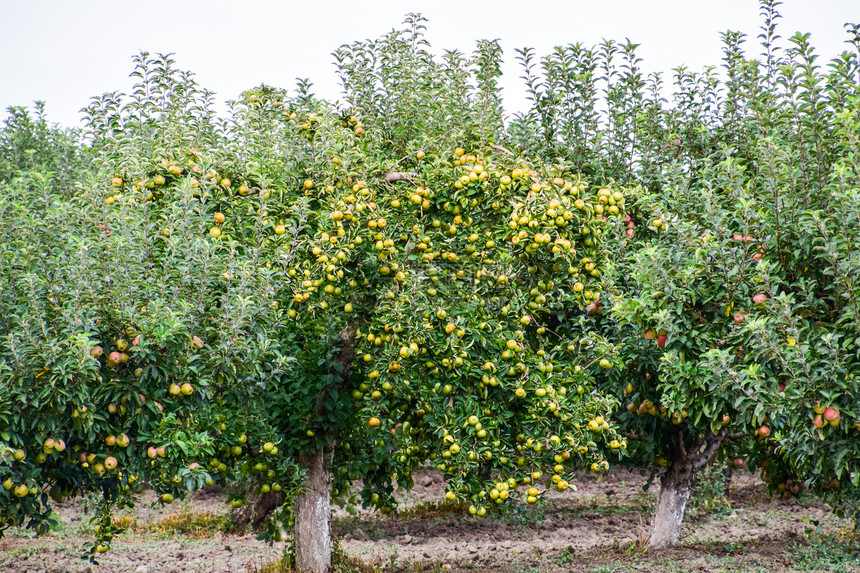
593 529
597 529
60 551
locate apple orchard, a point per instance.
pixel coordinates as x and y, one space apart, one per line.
304 294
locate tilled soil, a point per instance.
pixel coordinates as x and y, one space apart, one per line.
595 528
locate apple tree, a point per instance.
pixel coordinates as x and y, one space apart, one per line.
425 283
297 288
735 300
739 181
128 355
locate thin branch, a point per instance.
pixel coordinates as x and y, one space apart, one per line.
682 450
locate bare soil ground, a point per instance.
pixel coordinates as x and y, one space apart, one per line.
594 529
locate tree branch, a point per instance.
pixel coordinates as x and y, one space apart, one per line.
682 450
702 459
395 176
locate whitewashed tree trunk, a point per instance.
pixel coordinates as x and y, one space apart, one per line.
675 490
677 485
312 529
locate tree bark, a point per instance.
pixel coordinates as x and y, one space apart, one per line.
677 485
312 529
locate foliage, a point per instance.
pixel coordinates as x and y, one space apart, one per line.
125 354
736 292
29 143
732 303
405 277
209 282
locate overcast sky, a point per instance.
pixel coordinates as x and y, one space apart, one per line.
65 51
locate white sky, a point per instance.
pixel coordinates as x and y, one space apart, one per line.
65 51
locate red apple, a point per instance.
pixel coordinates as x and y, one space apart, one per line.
650 334
831 414
763 432
738 317
97 351
151 452
759 298
661 340
817 421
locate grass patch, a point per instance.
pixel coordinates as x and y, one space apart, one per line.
343 563
827 552
432 509
194 524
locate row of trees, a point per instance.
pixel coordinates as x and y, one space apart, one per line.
302 294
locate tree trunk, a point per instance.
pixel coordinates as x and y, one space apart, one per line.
677 485
312 529
675 490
